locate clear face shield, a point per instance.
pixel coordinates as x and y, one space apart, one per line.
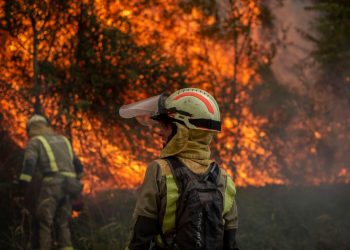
144 110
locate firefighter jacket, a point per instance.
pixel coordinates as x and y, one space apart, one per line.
50 153
156 204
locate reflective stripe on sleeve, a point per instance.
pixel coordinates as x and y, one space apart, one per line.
65 174
68 174
25 177
50 155
170 210
69 146
230 192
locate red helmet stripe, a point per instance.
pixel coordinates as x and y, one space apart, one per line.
200 97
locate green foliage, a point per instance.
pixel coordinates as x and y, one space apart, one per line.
104 222
332 44
333 28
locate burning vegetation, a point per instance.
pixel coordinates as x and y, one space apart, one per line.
79 61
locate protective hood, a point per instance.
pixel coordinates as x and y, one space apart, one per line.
189 144
144 110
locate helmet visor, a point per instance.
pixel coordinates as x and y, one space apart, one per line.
143 110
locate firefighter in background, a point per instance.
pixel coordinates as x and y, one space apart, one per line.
188 120
49 156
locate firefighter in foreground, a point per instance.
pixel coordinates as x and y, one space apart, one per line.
186 201
50 158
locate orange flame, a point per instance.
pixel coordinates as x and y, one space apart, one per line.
108 155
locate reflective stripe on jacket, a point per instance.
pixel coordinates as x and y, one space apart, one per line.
51 154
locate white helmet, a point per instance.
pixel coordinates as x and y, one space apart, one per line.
195 108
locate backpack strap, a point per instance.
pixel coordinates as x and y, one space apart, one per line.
178 170
49 153
213 173
69 146
182 175
174 163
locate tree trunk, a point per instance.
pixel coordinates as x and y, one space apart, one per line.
37 104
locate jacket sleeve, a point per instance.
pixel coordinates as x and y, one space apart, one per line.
145 224
230 240
31 155
78 166
231 223
231 218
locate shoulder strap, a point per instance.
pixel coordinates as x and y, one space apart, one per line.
213 173
174 163
50 154
176 167
69 146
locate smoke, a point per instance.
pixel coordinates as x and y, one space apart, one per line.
292 64
318 111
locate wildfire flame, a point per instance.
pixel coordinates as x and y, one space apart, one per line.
107 154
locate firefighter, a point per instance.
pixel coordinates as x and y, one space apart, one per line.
188 120
50 158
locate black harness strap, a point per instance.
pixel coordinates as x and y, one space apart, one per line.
177 169
213 173
181 174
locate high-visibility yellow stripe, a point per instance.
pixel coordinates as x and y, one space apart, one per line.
173 195
170 210
25 177
66 248
70 150
50 155
68 174
230 192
